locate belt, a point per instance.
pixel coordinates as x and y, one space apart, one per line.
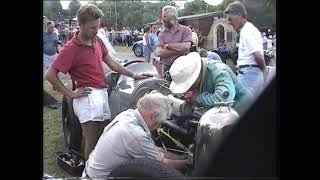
249 65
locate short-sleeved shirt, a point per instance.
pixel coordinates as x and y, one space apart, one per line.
125 138
264 39
83 63
50 42
249 43
153 39
183 34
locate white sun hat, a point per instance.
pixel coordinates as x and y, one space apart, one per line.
184 72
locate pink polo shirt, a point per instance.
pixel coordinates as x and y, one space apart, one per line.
82 62
183 34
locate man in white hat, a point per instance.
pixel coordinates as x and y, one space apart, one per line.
205 83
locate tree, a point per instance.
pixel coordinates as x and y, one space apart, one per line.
261 13
197 7
106 9
137 13
73 7
53 10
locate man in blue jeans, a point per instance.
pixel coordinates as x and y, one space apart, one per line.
251 64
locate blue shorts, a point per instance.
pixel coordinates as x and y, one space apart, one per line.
146 51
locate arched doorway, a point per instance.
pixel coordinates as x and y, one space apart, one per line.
220 35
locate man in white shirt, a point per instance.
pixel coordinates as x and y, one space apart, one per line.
128 137
251 63
264 41
269 43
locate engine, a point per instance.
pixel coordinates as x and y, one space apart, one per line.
189 129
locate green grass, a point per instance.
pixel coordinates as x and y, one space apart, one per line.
53 141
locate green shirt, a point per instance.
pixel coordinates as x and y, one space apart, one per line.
220 84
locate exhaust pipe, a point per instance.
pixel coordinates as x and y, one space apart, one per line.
175 127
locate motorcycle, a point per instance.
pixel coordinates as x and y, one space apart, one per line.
227 56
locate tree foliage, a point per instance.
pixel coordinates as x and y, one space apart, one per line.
196 7
262 13
53 10
73 7
136 13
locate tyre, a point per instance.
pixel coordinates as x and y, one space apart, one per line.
145 168
138 51
71 126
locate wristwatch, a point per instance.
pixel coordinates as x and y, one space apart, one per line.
165 46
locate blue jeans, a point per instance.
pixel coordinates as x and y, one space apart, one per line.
146 51
252 79
47 60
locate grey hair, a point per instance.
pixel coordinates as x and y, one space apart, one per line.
88 12
171 9
155 103
236 7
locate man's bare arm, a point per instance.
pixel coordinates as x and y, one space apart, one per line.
258 57
164 52
115 66
179 47
52 77
176 164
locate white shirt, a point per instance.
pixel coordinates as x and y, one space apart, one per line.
144 40
269 44
127 33
125 138
264 39
55 30
250 42
102 31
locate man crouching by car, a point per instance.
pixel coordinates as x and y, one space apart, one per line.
128 137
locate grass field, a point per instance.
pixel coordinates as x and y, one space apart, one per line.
53 142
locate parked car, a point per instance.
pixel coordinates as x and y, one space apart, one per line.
137 48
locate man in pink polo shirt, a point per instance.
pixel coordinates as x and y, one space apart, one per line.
81 58
175 40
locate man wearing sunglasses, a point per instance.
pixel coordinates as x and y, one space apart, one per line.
251 64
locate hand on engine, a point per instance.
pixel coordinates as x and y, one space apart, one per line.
139 76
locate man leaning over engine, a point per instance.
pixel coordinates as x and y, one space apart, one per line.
206 83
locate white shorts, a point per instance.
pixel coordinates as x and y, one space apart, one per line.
94 107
